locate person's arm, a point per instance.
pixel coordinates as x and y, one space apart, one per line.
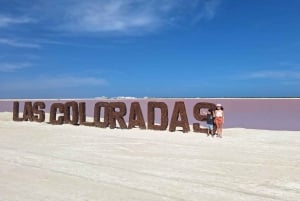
223 117
203 113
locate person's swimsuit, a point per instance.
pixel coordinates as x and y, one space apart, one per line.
219 117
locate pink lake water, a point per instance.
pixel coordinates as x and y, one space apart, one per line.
256 113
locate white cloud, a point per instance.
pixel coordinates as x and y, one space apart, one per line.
275 74
210 8
8 20
13 67
132 15
59 82
111 16
127 16
16 43
289 64
206 10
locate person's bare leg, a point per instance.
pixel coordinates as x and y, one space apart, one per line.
220 130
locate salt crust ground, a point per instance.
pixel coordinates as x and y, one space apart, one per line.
39 162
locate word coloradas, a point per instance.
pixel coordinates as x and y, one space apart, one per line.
108 114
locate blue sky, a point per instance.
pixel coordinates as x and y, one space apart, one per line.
157 48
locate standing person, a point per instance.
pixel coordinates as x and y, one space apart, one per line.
219 119
210 122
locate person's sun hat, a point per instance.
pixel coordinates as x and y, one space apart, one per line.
219 105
